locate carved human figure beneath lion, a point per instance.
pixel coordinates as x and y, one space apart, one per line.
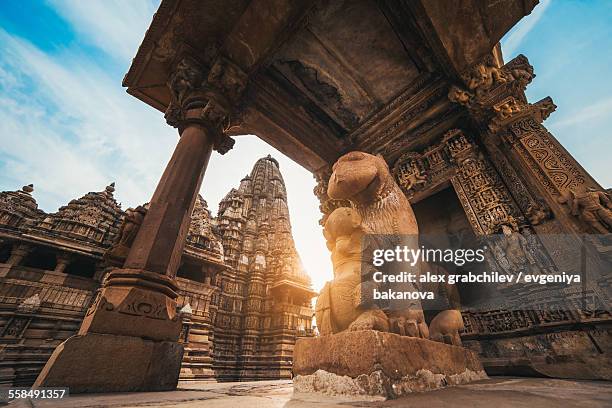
340 305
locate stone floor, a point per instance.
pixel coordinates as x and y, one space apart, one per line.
498 392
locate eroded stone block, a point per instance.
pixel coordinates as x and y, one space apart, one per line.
113 364
380 364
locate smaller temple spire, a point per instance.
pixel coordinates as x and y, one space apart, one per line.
110 189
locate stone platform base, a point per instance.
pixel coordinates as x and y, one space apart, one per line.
380 364
110 363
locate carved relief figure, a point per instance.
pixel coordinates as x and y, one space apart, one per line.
127 233
591 206
411 176
366 182
515 244
340 305
483 77
537 213
507 108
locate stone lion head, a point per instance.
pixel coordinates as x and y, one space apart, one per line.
357 176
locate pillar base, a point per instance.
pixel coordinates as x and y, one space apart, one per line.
378 364
135 303
110 363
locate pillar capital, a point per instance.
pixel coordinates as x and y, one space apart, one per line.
204 97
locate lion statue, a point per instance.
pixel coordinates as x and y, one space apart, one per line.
381 208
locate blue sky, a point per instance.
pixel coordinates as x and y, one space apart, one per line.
68 126
569 43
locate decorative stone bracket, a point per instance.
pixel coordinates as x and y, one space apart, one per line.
510 110
495 95
205 98
485 83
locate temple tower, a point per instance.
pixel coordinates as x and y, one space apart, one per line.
266 301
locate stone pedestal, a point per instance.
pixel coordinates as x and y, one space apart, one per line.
380 364
127 341
114 363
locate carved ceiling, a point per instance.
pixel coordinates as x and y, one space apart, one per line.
349 65
328 76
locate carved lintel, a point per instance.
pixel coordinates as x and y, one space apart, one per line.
205 97
486 199
416 172
410 173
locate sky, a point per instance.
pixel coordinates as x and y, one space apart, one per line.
68 127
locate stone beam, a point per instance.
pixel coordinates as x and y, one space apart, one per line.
461 33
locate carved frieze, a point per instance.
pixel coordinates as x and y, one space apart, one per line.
485 198
408 114
16 326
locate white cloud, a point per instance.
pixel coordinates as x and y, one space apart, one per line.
115 26
598 110
73 124
513 40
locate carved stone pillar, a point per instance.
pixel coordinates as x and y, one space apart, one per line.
561 181
495 99
18 253
133 325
